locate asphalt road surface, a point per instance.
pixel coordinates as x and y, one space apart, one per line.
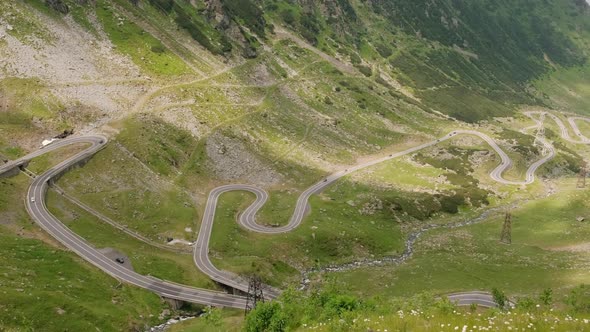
483 299
35 204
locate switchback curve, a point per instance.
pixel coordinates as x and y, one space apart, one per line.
35 204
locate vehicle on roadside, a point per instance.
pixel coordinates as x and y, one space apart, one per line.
120 260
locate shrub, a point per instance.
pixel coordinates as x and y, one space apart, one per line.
383 82
499 298
58 5
579 299
355 59
383 50
184 21
526 303
266 317
159 49
365 70
248 12
547 296
288 16
339 304
450 204
163 5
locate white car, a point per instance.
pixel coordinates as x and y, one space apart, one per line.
32 199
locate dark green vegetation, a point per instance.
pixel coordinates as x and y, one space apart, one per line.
334 310
460 175
566 158
456 62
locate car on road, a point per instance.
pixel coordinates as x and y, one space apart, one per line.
120 260
32 199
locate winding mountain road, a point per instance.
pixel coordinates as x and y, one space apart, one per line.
35 204
482 299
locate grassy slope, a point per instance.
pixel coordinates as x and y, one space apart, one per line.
144 258
40 279
443 53
138 44
472 257
329 238
568 89
146 204
30 110
289 133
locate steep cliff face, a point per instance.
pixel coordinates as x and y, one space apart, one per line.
241 21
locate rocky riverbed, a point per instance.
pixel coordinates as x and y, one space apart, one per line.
409 246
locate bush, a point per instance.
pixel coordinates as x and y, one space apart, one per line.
579 299
185 22
163 5
355 59
383 50
526 303
499 298
248 12
546 297
310 28
58 5
365 70
212 316
159 49
288 16
450 204
383 82
266 317
339 304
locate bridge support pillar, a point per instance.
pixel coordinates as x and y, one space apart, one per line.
174 303
15 170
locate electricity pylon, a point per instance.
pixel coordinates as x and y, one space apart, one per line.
506 236
255 294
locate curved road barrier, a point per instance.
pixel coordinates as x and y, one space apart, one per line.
35 204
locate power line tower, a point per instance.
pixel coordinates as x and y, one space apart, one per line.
582 177
255 294
506 236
